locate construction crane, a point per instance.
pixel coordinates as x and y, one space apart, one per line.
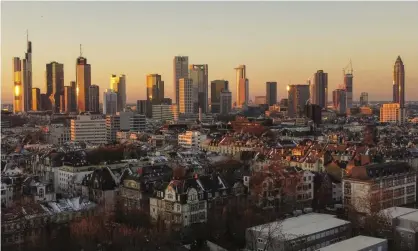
348 69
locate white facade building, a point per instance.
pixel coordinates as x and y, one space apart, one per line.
86 129
58 134
164 112
138 123
191 139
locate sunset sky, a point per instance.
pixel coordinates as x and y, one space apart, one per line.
278 41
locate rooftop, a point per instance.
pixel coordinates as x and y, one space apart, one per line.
353 244
395 212
303 225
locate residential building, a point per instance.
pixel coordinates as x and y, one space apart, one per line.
378 186
271 93
110 102
185 96
199 76
298 95
58 133
358 243
392 113
310 231
180 203
83 80
155 89
319 89
225 102
86 129
191 139
180 70
94 98
36 99
118 85
55 84
216 87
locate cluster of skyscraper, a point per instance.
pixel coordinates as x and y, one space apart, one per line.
22 78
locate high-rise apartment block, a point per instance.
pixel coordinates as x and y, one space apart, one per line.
339 100
216 87
94 98
180 70
185 95
55 84
319 89
298 96
83 79
155 89
110 101
271 93
199 75
118 85
36 99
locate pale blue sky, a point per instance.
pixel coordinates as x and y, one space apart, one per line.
278 41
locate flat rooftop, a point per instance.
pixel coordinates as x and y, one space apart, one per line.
354 244
413 216
303 225
395 212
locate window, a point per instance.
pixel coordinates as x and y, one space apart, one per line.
259 240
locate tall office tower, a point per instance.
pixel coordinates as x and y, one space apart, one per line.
319 89
180 70
199 75
83 79
144 107
110 102
225 101
216 88
73 85
17 86
27 77
348 85
298 96
364 99
94 98
339 101
185 95
271 93
155 89
399 83
62 103
118 85
45 102
55 84
242 85
36 99
68 99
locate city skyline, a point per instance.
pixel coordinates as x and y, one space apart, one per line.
271 58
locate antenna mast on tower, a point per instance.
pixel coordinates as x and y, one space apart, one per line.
81 51
348 69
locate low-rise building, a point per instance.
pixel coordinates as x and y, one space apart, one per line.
191 139
305 232
358 243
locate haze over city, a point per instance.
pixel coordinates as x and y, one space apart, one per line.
278 41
